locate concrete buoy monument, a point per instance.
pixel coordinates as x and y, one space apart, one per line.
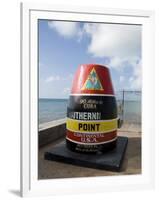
92 120
92 111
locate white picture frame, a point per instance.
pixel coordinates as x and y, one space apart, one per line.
30 185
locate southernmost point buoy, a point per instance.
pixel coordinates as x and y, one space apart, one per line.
92 111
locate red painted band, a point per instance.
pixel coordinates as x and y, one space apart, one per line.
91 137
82 75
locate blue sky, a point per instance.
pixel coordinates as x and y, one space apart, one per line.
63 46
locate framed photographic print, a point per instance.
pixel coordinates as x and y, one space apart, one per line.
87 93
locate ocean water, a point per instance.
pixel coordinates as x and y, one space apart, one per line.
53 109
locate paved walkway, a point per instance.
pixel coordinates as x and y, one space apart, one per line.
132 162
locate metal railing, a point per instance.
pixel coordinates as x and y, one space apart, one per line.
129 106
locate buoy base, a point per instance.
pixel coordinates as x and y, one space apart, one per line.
112 160
91 149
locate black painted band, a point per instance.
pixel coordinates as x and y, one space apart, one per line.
104 105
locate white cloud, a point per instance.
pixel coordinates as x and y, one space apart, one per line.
66 90
115 62
136 79
121 44
58 78
112 40
52 78
120 63
65 29
131 79
121 78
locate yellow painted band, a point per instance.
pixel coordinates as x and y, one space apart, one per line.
91 126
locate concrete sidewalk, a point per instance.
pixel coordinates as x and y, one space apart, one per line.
132 162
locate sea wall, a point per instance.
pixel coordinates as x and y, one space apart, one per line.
51 131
